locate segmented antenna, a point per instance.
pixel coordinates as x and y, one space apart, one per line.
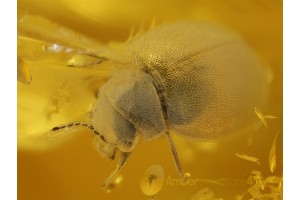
73 124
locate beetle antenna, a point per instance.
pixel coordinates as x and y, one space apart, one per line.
74 124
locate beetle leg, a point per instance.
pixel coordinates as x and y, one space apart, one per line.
113 154
115 173
176 157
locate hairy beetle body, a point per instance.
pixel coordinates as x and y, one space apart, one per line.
197 79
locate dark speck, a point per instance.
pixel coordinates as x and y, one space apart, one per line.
55 129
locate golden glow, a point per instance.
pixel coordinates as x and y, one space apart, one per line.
71 168
24 75
272 155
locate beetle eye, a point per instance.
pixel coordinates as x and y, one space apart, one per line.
126 146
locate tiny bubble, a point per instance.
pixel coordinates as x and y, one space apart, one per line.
187 175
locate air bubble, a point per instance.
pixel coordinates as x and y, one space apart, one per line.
187 175
55 48
152 180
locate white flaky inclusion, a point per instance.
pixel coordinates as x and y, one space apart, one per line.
264 188
263 117
82 60
272 155
57 48
24 75
249 158
62 39
255 178
250 138
54 48
205 194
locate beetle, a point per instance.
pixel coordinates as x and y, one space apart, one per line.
197 79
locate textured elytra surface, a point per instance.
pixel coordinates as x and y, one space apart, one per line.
211 78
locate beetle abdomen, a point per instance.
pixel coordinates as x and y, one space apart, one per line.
212 80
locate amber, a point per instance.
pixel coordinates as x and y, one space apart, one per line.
51 93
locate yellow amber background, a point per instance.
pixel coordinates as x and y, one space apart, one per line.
72 169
